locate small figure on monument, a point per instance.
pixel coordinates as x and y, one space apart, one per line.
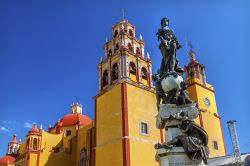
160 94
194 141
168 46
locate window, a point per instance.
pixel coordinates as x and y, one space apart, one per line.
68 133
130 47
110 52
28 143
215 145
116 47
144 73
144 128
132 68
105 78
114 72
35 144
116 33
131 33
138 51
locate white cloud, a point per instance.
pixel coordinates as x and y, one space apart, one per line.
28 125
10 122
3 129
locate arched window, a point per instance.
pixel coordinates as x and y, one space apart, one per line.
130 47
28 143
83 157
68 133
114 72
144 73
35 144
116 47
105 78
110 52
138 51
131 33
132 68
115 33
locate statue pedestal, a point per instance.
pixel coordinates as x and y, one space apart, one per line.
169 118
175 157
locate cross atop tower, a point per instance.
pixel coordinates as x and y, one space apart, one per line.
123 13
190 45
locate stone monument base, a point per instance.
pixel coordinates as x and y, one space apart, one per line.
175 157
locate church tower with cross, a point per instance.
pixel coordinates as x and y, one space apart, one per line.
204 94
125 107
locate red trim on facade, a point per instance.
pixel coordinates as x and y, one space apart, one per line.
201 120
125 129
223 137
161 135
28 159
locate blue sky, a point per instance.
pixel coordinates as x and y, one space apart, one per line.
49 51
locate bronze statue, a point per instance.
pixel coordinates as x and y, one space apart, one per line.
168 46
176 109
194 142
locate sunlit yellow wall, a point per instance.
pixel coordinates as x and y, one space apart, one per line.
142 108
109 128
83 142
210 119
212 126
66 140
47 157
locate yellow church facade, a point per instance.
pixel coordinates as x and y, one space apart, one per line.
123 132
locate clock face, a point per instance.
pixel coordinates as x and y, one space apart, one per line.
207 102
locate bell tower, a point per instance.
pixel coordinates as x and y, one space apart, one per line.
204 94
33 145
125 107
13 146
124 59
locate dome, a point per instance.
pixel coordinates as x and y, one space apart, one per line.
7 160
72 119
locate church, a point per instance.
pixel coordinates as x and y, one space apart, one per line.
123 132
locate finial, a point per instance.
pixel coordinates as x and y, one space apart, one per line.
148 56
77 100
123 13
41 127
140 37
190 46
14 138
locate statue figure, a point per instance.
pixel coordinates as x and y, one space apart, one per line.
160 94
194 141
176 110
168 46
183 98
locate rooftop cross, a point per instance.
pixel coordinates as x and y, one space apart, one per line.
190 46
123 13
